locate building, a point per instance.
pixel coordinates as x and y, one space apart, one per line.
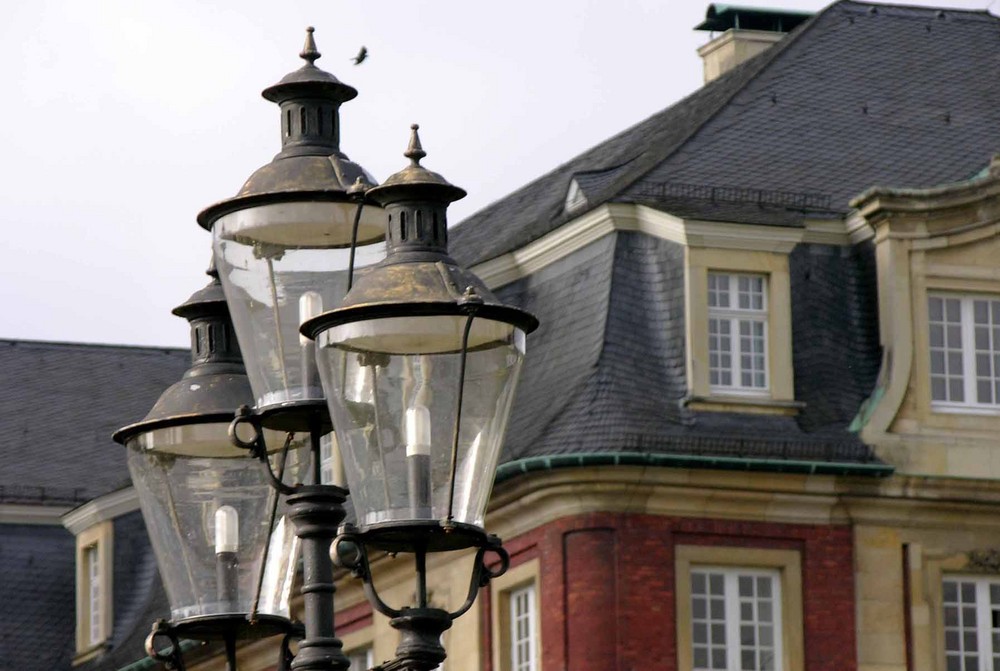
79 577
756 428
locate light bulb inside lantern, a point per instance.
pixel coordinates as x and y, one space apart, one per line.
418 460
310 305
227 530
418 431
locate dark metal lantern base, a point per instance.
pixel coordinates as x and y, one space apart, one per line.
296 416
233 625
420 536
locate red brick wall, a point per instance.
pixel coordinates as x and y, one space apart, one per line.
607 588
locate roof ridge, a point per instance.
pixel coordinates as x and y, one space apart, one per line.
760 63
63 344
924 8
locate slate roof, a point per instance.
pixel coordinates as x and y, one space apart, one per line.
60 403
37 590
859 95
605 372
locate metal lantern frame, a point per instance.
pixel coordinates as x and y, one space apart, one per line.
205 396
309 171
418 279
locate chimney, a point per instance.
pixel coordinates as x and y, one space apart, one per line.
745 32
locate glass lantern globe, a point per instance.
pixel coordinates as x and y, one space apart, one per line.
207 507
419 365
285 243
281 264
394 397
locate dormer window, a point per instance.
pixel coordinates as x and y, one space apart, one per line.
575 198
964 352
93 590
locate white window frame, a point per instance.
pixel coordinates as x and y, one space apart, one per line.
94 589
94 593
518 579
982 608
735 318
732 617
968 353
523 628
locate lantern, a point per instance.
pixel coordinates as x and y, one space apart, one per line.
419 365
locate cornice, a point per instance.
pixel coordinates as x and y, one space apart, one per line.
20 513
101 509
530 501
613 217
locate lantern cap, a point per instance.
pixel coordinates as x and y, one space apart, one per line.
310 165
309 79
216 383
418 277
431 185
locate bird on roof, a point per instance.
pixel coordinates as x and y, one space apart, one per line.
362 55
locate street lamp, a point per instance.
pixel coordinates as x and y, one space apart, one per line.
225 549
417 368
287 243
419 365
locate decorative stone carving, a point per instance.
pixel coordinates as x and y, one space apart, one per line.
984 561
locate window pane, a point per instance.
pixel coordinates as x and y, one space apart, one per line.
937 335
956 392
981 312
937 362
951 309
935 309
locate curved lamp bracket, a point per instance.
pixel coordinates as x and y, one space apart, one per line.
348 552
170 657
257 447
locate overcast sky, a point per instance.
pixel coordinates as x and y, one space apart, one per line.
123 119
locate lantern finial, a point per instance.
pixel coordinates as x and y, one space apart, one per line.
309 51
414 151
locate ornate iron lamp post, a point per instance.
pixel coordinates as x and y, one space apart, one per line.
417 367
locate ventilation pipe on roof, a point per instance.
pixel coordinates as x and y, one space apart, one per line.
745 32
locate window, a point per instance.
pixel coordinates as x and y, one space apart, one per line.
329 460
737 332
735 619
575 198
738 609
517 634
361 660
93 589
92 569
972 624
964 351
522 629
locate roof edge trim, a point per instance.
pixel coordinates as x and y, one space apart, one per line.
610 217
101 509
518 467
26 513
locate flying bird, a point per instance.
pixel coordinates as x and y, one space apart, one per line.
362 55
